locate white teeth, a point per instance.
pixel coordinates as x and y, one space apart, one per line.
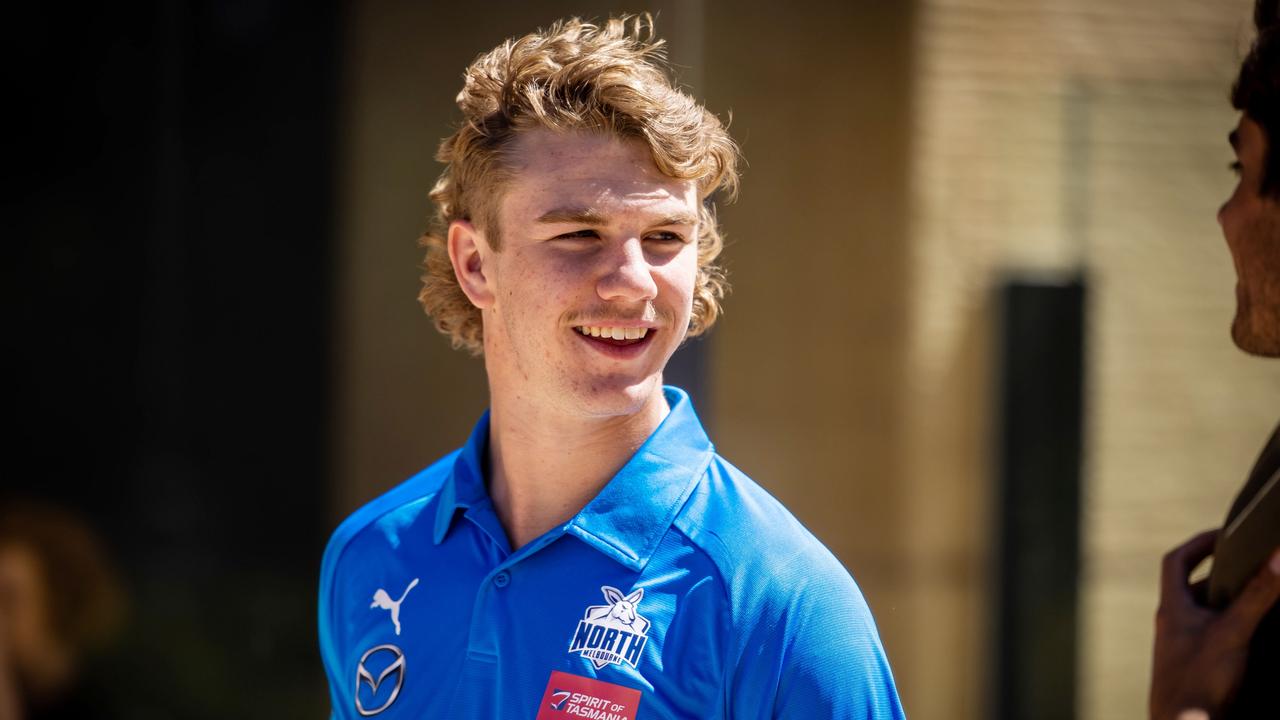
615 333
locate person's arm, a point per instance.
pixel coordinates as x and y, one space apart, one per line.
1199 656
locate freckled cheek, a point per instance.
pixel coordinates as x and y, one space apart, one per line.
536 310
530 280
676 282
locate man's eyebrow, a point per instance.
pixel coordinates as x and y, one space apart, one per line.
574 215
1234 138
677 220
591 216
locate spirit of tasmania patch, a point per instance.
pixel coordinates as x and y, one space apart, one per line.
573 696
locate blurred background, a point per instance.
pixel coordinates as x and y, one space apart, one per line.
977 340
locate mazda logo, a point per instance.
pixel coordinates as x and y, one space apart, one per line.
363 676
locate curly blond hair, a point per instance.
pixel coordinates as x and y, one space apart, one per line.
573 76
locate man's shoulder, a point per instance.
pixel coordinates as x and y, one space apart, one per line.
355 554
754 540
396 507
789 599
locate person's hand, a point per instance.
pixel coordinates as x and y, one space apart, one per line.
1200 653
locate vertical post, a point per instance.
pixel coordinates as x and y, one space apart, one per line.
1038 498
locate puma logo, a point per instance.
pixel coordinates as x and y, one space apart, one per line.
382 600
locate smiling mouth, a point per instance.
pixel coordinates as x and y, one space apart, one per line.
614 335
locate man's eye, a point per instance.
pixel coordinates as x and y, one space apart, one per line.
666 237
577 235
1236 167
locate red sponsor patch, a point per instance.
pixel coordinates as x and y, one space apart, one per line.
573 696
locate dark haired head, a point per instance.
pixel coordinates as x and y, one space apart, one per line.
1265 14
1257 88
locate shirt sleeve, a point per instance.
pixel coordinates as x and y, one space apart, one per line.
330 631
814 652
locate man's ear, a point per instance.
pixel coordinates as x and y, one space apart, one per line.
469 252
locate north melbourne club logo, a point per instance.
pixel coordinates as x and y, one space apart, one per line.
613 633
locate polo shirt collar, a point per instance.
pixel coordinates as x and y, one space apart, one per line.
629 517
465 485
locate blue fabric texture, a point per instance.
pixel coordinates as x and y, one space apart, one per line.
682 579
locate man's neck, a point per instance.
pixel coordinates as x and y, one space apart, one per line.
545 466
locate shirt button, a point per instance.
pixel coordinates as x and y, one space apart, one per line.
502 579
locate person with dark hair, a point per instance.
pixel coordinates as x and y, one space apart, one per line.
1217 652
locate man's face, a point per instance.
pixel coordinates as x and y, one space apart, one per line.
594 241
1251 224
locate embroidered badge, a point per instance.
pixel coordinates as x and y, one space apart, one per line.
382 600
613 633
574 696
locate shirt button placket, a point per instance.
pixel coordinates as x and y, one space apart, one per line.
490 601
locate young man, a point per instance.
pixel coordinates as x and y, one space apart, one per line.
586 553
1213 664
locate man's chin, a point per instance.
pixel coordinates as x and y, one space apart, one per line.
1256 336
619 395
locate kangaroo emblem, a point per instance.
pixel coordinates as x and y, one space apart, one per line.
613 633
382 600
620 613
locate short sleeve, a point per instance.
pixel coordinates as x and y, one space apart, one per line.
814 652
330 632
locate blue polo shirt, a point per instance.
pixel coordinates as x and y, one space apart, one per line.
683 590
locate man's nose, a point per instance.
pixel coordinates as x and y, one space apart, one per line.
630 276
